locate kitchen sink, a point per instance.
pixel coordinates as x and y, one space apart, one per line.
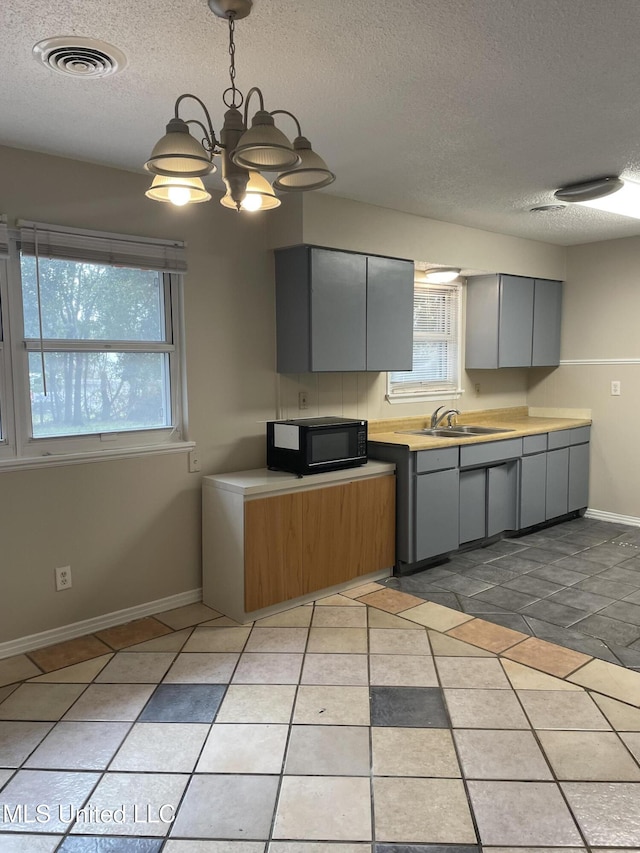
462 431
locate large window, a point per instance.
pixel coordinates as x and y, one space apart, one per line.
436 346
95 342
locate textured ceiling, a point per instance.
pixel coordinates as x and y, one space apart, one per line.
468 111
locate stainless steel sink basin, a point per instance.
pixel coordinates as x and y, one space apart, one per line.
462 431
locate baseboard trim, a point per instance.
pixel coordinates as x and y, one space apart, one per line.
601 515
98 623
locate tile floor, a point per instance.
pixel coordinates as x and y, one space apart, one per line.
392 726
576 584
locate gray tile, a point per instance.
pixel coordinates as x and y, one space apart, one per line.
426 848
623 575
510 620
608 554
491 573
607 812
571 639
433 575
577 563
557 574
464 584
558 614
534 586
183 703
628 657
509 599
446 599
581 599
421 707
477 606
625 611
609 630
97 844
601 586
517 565
496 552
633 597
540 555
559 546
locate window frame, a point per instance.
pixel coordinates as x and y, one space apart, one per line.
447 391
18 447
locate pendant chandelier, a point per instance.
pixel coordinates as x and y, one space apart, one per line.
179 161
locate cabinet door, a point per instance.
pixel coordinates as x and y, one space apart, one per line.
557 492
437 501
483 298
502 486
578 477
338 311
273 550
547 310
533 487
516 321
389 314
473 504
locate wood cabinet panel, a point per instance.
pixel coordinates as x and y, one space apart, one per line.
273 550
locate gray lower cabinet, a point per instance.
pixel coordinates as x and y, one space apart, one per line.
557 486
533 490
340 311
488 501
436 513
578 495
473 509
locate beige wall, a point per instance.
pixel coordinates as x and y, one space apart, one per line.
601 314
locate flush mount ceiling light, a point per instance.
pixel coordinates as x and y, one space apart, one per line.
441 275
245 151
589 190
613 195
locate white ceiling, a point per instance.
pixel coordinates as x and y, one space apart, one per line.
467 111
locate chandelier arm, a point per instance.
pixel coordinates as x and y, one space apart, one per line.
210 145
246 103
291 115
210 134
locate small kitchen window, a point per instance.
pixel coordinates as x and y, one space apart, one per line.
436 347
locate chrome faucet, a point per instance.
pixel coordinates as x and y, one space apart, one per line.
436 417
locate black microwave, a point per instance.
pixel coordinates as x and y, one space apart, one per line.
311 445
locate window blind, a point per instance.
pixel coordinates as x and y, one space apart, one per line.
436 342
122 250
4 237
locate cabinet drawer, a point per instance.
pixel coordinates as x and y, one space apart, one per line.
534 444
560 438
580 435
492 451
436 460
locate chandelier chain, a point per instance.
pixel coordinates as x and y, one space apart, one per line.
232 96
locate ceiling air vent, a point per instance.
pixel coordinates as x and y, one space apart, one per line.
80 57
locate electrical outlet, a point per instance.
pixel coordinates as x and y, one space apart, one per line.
615 388
477 387
194 461
63 578
303 400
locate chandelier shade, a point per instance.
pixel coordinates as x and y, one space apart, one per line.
264 146
312 173
178 154
259 195
178 191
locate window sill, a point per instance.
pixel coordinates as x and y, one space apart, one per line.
55 460
424 398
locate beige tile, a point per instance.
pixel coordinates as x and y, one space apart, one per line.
328 705
31 788
382 619
445 646
136 668
340 617
541 850
79 746
328 751
139 631
161 748
257 703
612 680
522 813
68 653
7 691
363 589
277 640
337 669
337 640
435 616
555 709
632 742
524 678
338 601
40 701
225 622
79 673
403 670
19 739
485 709
184 617
217 640
297 617
442 817
17 668
623 717
328 807
202 668
105 702
244 748
183 846
413 752
548 657
493 638
31 843
472 672
312 847
172 642
589 756
391 600
397 641
5 775
500 754
274 668
607 812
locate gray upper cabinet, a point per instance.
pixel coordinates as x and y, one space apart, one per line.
512 321
340 311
